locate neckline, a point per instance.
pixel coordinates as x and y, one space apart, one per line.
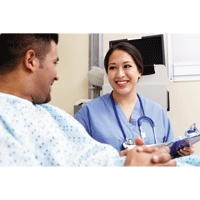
134 111
10 96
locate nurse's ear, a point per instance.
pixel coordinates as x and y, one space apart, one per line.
140 74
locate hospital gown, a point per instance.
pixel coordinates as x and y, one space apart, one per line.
188 161
44 135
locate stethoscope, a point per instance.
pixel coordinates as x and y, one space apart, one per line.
140 120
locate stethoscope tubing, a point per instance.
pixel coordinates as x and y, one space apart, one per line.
142 118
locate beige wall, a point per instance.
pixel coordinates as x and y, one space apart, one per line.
73 51
72 69
185 107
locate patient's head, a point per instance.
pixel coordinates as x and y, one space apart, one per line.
14 46
27 65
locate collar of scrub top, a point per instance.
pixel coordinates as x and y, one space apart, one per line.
142 118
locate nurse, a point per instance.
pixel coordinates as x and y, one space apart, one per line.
113 118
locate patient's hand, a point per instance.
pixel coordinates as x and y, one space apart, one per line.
158 157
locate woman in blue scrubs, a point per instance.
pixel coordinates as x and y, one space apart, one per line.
113 118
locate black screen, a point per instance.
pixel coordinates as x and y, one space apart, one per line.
150 47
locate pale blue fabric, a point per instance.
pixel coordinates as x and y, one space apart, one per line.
188 161
99 120
32 135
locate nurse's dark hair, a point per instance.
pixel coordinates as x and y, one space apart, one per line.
13 47
130 49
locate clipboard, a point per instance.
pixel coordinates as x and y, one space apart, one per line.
181 143
178 144
192 136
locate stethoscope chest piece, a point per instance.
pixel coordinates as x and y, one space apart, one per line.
128 144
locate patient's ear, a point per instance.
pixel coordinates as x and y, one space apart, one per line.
30 60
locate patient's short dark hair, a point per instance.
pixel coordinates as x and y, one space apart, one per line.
13 47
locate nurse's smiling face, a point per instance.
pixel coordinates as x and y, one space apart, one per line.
123 73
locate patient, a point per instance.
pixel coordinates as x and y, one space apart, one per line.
34 133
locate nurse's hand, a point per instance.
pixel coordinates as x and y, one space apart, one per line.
186 151
140 148
139 141
159 157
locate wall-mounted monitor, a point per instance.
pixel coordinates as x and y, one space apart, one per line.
151 49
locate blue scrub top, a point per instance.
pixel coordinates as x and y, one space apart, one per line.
99 120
